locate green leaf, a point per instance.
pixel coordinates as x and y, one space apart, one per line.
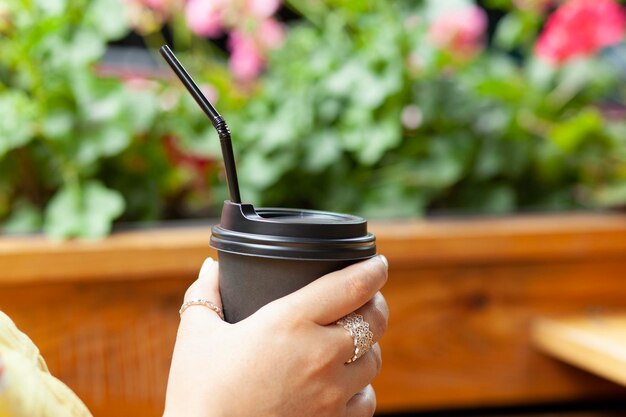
25 218
86 211
52 7
436 8
352 6
509 31
102 206
100 141
539 73
391 200
17 120
493 121
84 48
498 199
260 171
313 10
569 135
63 217
489 160
487 198
444 163
58 124
108 17
611 195
550 162
371 89
280 130
342 82
507 89
142 109
573 77
323 149
379 139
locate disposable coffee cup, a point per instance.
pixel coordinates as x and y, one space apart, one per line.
267 253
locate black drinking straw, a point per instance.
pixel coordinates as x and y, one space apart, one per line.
218 122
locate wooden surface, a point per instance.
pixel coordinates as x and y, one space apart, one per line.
595 342
462 296
460 335
140 254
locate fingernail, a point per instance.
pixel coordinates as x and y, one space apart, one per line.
384 260
206 266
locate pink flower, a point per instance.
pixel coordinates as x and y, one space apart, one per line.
248 49
261 8
252 30
246 59
271 33
205 17
160 5
581 28
460 32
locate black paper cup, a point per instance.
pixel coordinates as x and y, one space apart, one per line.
267 253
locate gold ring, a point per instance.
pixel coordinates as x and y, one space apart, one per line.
201 302
359 329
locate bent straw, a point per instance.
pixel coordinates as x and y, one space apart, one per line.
218 122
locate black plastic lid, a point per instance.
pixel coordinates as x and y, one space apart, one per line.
292 233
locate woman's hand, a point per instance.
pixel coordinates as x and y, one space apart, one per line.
287 359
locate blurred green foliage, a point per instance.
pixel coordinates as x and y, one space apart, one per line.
357 112
59 118
79 148
497 133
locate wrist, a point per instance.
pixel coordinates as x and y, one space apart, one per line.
189 410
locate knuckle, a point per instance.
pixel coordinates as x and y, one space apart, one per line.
378 321
371 404
372 364
378 359
363 404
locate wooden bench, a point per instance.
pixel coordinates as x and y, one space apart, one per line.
594 342
463 295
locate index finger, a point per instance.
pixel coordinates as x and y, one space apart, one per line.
334 295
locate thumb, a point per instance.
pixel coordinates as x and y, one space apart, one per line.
206 287
334 295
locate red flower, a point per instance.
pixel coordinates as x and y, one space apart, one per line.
581 28
198 164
